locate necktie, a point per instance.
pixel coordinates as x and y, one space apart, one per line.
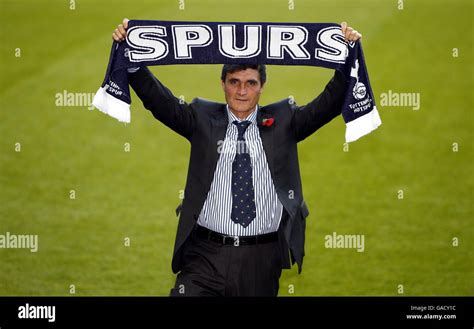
243 196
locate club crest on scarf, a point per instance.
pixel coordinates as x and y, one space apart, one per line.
359 90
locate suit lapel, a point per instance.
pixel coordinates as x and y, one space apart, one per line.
219 122
266 134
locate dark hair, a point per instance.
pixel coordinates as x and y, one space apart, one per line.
231 68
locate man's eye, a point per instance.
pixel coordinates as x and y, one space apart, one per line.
253 83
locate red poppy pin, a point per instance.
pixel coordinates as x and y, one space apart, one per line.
268 122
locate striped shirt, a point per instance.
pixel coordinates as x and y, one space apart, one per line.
215 214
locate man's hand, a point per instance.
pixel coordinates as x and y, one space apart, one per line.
349 33
120 33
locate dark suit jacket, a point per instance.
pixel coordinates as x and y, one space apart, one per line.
204 124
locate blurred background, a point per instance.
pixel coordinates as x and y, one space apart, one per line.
101 195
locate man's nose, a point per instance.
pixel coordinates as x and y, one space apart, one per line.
242 90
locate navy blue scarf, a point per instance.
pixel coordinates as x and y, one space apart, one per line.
313 44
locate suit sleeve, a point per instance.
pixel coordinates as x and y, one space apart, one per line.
161 102
312 116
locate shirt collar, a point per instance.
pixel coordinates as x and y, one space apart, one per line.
252 117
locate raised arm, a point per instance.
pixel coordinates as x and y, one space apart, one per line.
156 98
312 116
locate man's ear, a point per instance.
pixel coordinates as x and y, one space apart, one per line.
223 85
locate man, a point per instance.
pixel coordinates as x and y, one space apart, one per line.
243 215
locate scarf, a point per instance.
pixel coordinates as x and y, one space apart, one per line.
313 44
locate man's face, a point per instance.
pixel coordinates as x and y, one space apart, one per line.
242 91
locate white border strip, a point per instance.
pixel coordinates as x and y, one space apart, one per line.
363 125
111 106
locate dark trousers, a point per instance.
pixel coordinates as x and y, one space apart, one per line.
213 269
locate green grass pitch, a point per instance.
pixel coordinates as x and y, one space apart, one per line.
421 244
